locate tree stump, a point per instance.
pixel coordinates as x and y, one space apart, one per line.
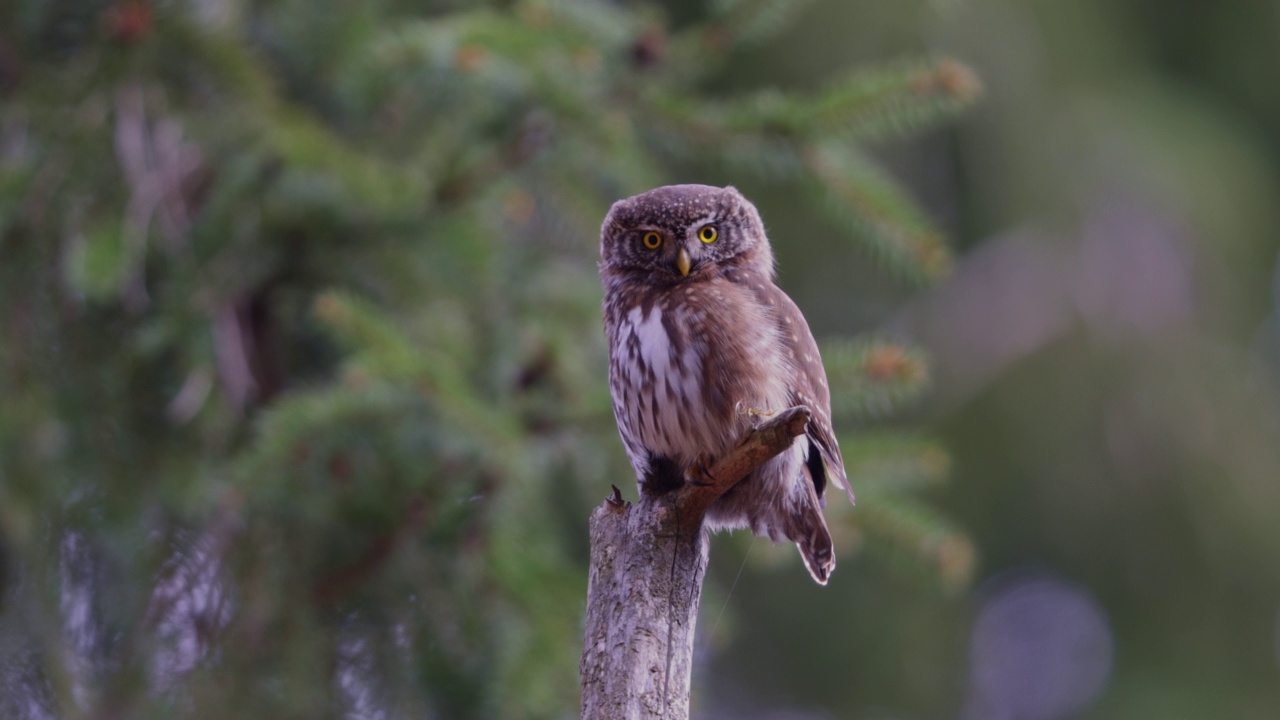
648 562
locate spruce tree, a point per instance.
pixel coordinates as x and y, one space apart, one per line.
304 399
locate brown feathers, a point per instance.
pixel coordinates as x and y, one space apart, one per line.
701 345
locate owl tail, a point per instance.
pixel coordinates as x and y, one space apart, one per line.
814 543
808 530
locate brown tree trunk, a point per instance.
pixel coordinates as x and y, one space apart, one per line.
648 561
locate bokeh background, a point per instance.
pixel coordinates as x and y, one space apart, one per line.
303 405
1105 359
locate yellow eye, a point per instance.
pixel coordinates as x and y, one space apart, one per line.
652 240
708 234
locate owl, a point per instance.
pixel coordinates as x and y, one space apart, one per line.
702 346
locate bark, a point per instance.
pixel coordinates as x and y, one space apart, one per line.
648 561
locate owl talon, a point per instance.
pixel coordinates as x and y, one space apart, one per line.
699 475
756 414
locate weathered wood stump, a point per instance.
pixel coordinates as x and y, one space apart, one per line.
648 561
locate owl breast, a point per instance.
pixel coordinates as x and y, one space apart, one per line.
686 368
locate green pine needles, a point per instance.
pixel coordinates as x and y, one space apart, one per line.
301 337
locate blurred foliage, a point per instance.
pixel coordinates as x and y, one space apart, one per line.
1104 363
304 395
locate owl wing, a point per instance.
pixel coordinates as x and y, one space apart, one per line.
809 388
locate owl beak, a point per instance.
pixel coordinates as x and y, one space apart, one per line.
682 262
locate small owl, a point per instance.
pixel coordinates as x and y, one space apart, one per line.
702 345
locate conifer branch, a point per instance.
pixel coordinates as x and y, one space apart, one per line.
877 212
917 538
870 378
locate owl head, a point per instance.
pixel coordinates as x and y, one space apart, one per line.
680 233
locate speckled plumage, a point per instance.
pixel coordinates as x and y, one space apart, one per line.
693 356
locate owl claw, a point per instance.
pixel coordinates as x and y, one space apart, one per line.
699 475
756 414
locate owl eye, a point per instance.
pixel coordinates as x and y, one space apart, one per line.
708 234
652 240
